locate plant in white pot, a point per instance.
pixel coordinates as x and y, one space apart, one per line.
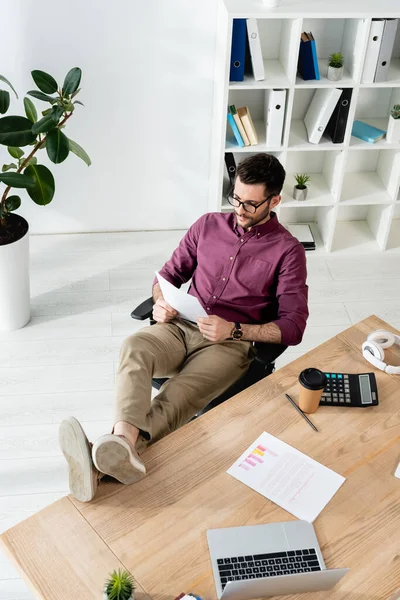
300 190
24 137
119 586
393 130
335 66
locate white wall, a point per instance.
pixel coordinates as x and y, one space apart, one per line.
147 87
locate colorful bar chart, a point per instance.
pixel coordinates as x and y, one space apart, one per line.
254 458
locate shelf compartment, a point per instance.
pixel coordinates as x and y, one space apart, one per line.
324 169
373 107
336 35
371 177
362 228
394 232
320 219
255 101
298 138
277 39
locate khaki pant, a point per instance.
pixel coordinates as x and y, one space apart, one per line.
199 371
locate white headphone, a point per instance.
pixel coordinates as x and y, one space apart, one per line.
373 350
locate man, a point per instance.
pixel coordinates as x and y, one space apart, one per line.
249 274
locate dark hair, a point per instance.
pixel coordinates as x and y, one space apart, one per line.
262 168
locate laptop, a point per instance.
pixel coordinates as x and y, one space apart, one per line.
259 561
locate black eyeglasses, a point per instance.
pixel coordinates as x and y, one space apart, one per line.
249 207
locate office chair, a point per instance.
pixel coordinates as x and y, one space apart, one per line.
262 366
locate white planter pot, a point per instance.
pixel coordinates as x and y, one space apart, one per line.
14 284
334 73
393 131
299 194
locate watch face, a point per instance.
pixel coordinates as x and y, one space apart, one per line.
237 334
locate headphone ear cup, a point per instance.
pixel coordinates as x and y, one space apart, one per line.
370 347
383 338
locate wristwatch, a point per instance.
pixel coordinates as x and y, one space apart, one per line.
237 332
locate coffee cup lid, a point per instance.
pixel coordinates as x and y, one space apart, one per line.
312 379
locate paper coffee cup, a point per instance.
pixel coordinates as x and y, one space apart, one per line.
312 383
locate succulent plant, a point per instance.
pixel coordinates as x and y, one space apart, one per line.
302 180
119 585
395 112
336 60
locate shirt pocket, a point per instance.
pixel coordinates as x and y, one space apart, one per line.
255 276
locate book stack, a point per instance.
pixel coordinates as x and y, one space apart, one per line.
379 50
366 132
246 50
308 64
242 126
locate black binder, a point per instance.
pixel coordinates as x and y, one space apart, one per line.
337 123
230 166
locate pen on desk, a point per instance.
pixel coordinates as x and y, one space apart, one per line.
301 412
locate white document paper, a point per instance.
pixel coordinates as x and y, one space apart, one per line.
188 306
294 481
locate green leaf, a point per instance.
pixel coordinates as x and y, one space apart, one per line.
16 180
32 161
4 101
9 167
46 112
71 81
78 102
44 125
41 96
57 112
45 82
57 146
75 93
79 151
30 110
16 131
12 203
9 84
42 189
15 152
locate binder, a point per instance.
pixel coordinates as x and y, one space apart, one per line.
366 132
337 123
314 55
235 130
320 111
239 125
255 50
230 167
238 50
386 49
274 116
373 48
305 64
248 124
302 231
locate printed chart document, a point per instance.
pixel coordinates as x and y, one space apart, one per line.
294 481
188 306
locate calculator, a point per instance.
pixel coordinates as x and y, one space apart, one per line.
343 389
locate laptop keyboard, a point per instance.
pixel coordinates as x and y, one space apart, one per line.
258 566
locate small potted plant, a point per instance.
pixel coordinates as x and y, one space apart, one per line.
119 586
300 189
335 66
393 130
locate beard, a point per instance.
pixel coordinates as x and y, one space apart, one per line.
251 220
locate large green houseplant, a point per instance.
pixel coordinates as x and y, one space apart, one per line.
26 137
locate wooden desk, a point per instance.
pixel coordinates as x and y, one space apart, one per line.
157 528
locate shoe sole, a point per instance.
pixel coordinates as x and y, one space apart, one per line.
76 449
113 456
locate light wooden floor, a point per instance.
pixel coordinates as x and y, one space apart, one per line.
64 361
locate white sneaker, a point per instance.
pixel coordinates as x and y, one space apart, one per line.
83 476
115 456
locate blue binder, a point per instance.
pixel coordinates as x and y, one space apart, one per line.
314 56
367 132
235 129
238 50
306 61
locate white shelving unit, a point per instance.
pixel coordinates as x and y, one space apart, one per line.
354 194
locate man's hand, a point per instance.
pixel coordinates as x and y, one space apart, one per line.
214 328
163 312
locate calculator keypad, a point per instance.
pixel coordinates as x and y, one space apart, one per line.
337 389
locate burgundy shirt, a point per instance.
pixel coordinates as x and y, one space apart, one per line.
253 277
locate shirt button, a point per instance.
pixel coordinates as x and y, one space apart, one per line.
242 240
231 258
214 297
224 279
258 235
208 308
